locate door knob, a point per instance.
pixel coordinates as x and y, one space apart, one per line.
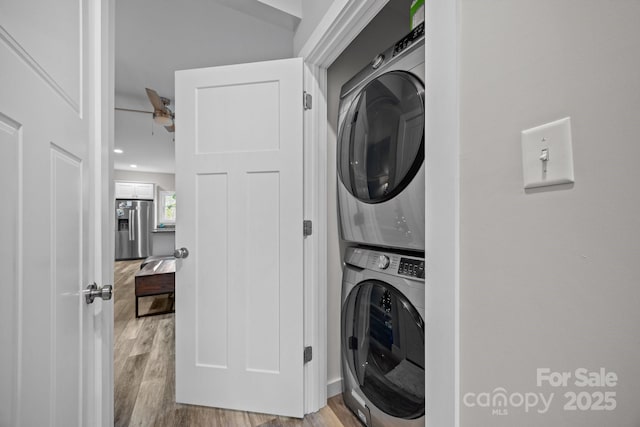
181 253
93 291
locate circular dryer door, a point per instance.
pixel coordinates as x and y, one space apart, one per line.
381 145
383 337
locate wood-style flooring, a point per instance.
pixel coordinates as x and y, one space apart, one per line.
144 365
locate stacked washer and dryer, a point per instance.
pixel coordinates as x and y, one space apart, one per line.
382 222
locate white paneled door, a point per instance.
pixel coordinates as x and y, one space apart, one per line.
47 335
239 294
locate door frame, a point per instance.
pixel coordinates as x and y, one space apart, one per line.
442 224
344 20
341 24
102 13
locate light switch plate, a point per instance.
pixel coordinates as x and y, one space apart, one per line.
547 154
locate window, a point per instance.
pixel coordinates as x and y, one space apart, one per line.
166 207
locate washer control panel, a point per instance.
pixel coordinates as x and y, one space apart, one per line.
383 262
411 267
408 40
402 265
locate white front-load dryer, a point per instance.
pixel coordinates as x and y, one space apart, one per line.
380 155
382 337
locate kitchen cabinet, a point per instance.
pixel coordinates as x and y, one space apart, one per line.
163 241
134 190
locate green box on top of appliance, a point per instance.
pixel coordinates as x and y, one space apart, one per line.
416 13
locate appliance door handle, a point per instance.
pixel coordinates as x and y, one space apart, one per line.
131 219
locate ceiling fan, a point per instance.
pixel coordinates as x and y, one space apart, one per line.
162 115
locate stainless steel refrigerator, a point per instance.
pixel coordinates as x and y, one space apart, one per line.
134 219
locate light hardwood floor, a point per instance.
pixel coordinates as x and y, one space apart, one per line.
145 376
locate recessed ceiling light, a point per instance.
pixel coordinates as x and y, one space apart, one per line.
118 151
133 166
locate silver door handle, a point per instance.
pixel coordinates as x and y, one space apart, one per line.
93 291
134 225
181 253
130 225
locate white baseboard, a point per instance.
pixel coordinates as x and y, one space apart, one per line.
334 387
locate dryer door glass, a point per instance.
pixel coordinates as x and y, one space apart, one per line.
381 145
384 341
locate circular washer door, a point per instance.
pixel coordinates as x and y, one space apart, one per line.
381 144
383 339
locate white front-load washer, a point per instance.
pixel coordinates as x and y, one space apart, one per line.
380 155
382 337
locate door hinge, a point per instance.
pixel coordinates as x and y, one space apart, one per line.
308 354
307 100
307 228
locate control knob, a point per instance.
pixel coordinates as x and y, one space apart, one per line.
377 61
383 262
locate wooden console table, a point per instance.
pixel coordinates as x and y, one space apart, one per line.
156 277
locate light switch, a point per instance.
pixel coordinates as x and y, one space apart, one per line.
547 156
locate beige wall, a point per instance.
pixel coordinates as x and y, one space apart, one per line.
385 29
549 279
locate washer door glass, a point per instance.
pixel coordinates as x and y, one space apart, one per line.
384 339
381 145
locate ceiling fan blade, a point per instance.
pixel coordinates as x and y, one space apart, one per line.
132 110
155 99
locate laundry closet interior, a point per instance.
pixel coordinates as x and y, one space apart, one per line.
380 183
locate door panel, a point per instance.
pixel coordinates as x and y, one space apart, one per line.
223 112
10 171
45 135
263 280
51 40
67 200
211 198
239 295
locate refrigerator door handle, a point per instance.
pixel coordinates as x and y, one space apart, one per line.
131 219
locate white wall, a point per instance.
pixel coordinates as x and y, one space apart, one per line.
154 39
550 279
291 7
145 144
385 29
312 13
165 181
